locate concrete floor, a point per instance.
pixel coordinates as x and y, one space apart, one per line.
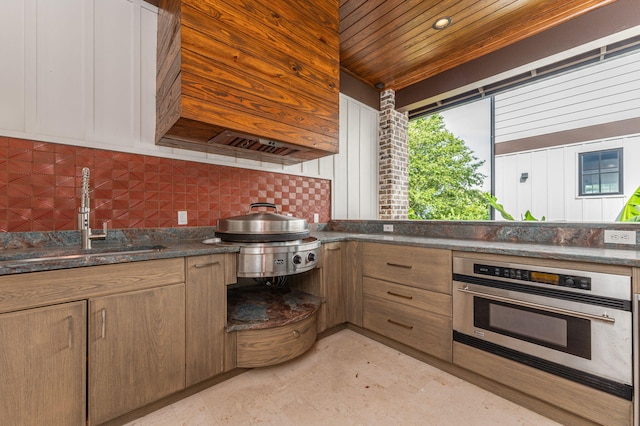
344 379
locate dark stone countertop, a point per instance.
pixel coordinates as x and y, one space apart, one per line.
603 255
189 242
261 306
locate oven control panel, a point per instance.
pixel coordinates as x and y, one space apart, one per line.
571 281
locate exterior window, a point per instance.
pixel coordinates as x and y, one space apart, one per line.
601 172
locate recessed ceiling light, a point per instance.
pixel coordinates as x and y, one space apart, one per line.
441 23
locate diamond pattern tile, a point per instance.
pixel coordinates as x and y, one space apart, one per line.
40 189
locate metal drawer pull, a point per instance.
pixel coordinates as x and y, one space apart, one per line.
397 265
399 295
104 321
70 325
408 327
296 333
204 265
604 316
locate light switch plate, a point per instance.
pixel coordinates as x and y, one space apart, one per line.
182 217
387 228
619 237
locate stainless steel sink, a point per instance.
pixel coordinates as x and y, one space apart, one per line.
104 252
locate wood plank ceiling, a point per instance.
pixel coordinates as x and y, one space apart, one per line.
392 42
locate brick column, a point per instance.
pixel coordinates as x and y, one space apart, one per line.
394 159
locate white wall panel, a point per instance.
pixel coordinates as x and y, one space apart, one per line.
355 169
601 93
557 192
539 184
114 68
147 68
12 29
369 176
60 58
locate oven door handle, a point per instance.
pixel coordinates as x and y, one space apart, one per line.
604 317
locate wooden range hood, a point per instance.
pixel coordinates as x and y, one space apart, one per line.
256 80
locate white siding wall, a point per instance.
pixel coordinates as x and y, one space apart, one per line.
552 187
605 92
82 72
601 93
355 189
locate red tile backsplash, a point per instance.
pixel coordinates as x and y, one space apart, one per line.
40 189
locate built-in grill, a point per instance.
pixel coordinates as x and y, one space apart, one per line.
271 244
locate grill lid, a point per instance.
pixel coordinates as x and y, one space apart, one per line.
261 226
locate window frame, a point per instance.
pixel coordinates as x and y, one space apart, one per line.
620 191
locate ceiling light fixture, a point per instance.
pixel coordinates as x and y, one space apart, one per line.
441 23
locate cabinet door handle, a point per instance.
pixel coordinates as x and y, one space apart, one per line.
408 327
397 265
399 295
104 322
70 327
204 265
333 248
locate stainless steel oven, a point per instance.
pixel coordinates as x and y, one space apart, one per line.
575 324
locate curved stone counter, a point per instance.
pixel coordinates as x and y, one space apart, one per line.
260 307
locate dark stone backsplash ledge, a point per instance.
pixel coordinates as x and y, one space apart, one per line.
546 233
56 239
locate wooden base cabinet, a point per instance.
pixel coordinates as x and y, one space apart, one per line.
42 365
407 296
594 405
332 312
136 350
207 279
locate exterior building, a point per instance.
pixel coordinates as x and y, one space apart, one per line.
568 147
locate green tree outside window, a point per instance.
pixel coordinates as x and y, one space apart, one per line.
444 180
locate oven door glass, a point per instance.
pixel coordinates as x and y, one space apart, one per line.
556 331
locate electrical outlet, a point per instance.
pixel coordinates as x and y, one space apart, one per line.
182 217
619 237
316 218
387 228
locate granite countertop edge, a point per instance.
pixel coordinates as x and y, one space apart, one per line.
609 256
185 248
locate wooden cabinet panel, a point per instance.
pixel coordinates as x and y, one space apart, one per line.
327 281
425 268
333 288
42 364
425 331
438 303
21 291
584 401
259 348
206 317
352 281
136 349
263 70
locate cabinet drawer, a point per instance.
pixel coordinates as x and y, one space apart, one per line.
425 331
22 291
415 266
259 348
437 303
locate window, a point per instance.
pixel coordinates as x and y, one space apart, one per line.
601 172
